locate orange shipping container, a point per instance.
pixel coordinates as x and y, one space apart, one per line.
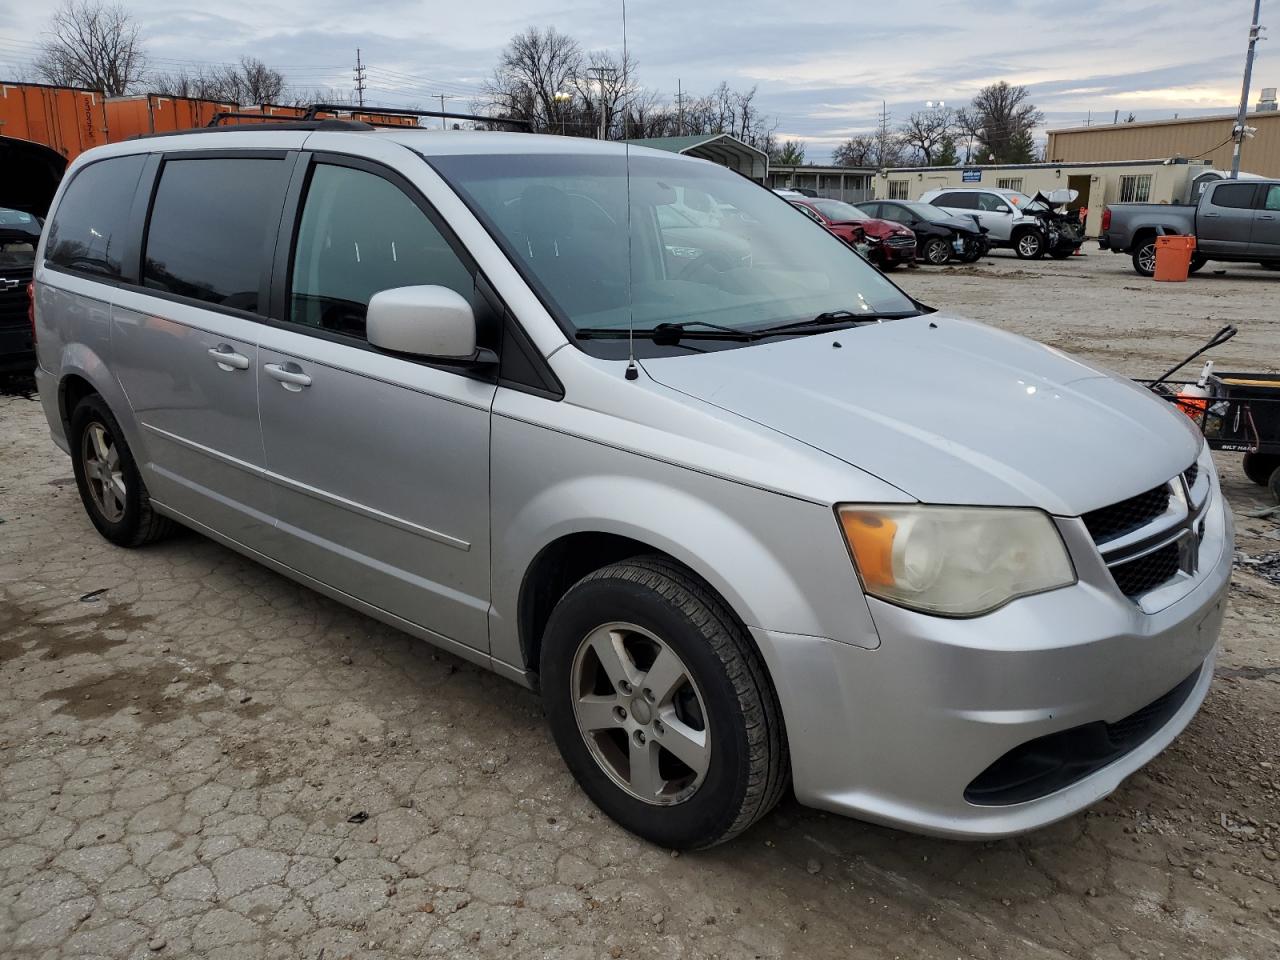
151 113
68 119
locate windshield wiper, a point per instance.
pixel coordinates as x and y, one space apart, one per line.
668 334
830 320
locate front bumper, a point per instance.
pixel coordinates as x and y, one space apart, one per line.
17 352
897 734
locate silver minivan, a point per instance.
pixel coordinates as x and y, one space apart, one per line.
749 516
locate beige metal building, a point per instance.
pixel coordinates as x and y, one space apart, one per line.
1142 181
1201 138
851 184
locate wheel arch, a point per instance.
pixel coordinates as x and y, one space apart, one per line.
572 528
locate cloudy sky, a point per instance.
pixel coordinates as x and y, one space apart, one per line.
822 69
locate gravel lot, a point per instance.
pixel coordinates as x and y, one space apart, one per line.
198 757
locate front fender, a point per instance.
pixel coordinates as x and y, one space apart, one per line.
778 561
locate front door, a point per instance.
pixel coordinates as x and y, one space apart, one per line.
185 346
1265 240
1224 219
379 465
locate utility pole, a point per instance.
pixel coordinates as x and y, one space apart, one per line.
680 107
600 75
1241 131
359 78
444 122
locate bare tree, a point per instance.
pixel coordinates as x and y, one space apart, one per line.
1004 118
535 67
92 44
251 82
925 132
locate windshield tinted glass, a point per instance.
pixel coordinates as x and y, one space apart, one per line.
839 211
706 244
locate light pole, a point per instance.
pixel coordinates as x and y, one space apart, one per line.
561 98
1240 130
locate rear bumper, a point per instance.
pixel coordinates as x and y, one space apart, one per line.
897 735
1105 242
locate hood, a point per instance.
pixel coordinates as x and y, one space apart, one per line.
951 411
882 228
963 224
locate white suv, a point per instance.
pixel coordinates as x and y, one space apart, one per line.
1001 212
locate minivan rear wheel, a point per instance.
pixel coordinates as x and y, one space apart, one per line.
661 706
107 477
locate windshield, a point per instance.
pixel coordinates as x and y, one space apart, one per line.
707 245
927 211
839 211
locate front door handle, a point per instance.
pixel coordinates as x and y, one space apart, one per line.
1266 216
290 375
227 359
1211 214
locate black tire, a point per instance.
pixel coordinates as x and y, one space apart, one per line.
1144 258
1269 264
936 252
1061 254
1197 261
887 266
1274 484
748 767
139 523
1028 244
1259 467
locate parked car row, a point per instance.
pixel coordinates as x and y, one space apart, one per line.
956 224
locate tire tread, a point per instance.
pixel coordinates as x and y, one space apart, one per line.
769 773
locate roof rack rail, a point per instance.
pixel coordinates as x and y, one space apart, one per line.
282 122
365 111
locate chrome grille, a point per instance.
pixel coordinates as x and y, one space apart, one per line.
1108 523
1148 540
1136 577
900 241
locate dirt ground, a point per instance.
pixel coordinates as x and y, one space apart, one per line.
199 757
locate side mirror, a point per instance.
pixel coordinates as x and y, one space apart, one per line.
427 321
1002 209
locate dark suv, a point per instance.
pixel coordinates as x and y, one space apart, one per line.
19 234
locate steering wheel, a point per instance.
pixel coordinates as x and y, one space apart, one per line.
714 262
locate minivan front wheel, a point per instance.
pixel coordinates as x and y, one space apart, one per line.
108 480
661 706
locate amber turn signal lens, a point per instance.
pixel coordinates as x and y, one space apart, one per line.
870 537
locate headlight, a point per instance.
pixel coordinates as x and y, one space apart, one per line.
954 561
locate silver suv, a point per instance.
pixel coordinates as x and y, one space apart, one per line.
1002 212
747 514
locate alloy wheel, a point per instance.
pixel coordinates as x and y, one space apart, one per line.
1029 245
640 713
937 252
1147 258
103 472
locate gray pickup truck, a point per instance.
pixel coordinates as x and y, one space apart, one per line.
1235 220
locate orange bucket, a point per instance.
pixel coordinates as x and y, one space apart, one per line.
1173 257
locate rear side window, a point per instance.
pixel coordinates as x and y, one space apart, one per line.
90 226
360 234
965 201
1237 195
209 229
